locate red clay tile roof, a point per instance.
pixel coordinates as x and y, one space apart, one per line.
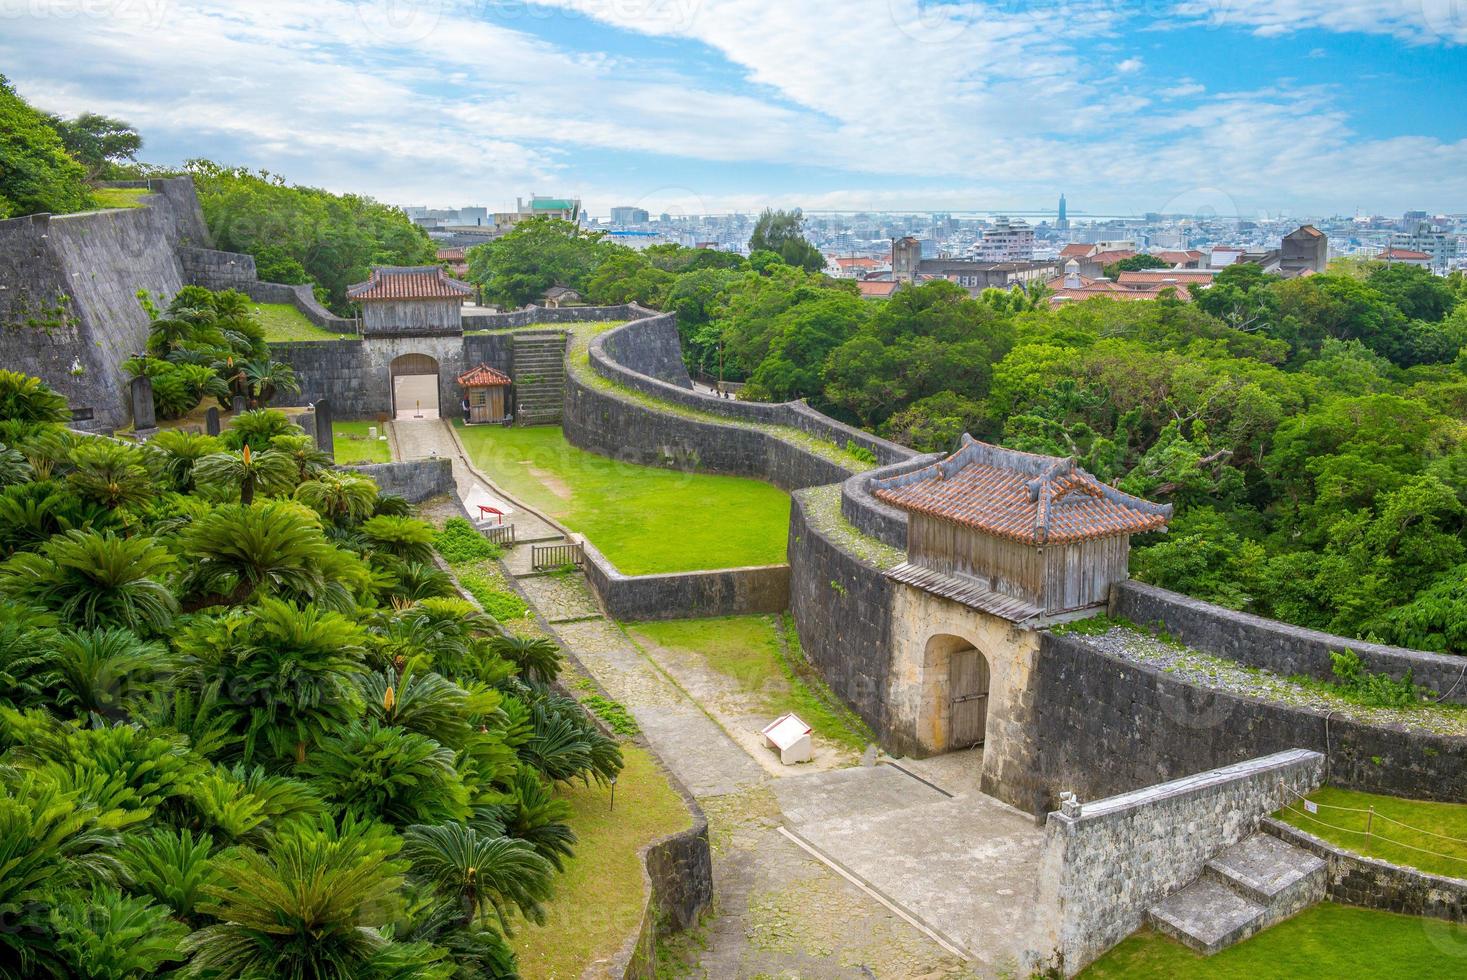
1023 497
1403 253
877 287
483 376
1078 250
391 282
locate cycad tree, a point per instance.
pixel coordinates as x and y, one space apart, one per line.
268 472
103 671
270 548
344 498
482 874
94 579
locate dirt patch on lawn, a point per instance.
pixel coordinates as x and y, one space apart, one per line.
548 480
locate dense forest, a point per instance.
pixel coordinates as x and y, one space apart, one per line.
1310 432
247 726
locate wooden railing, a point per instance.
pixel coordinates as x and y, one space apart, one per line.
556 555
500 534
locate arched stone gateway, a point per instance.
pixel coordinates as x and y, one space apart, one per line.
956 678
414 386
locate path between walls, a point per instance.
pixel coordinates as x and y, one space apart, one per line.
783 906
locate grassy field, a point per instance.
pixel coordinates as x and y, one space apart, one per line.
353 446
755 651
119 197
1327 942
645 520
1402 830
284 323
599 899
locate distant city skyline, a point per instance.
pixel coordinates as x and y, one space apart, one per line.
1228 107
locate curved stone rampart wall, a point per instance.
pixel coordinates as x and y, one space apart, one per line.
1284 649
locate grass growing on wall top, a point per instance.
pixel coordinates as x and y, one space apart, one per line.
1327 942
1390 841
755 652
119 197
284 323
353 446
646 520
598 901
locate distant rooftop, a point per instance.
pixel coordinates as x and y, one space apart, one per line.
1024 497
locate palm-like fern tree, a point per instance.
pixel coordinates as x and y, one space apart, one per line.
309 461
256 427
537 657
405 538
376 772
269 472
312 907
181 452
103 671
105 934
271 548
483 874
344 498
94 579
268 378
28 399
13 467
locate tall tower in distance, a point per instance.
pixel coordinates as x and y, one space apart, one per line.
1063 224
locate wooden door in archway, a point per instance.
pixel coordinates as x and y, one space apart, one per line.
968 684
414 387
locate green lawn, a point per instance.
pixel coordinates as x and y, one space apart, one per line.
284 323
119 197
599 899
1327 942
644 519
756 651
1427 826
353 446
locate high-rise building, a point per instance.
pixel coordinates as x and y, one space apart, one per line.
1427 238
629 216
1063 224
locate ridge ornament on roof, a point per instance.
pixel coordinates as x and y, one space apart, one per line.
1020 496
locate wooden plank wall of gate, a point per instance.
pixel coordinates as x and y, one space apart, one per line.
556 555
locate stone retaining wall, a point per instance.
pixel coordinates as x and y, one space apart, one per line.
1105 725
1103 866
542 314
687 595
415 480
656 333
842 610
1355 879
92 265
303 298
873 517
217 270
1284 649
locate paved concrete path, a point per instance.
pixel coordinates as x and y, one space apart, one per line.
781 907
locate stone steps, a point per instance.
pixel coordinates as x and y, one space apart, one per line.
1242 890
539 368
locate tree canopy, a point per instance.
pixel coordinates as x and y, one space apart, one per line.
36 171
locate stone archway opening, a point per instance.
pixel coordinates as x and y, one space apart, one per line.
414 387
958 678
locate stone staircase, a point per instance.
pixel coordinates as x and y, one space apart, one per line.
1243 890
539 376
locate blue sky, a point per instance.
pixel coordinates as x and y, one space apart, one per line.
1246 107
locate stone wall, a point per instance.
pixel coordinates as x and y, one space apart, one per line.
1105 725
540 314
687 595
652 348
656 333
1358 880
214 269
873 517
1105 865
1284 649
415 480
93 264
841 605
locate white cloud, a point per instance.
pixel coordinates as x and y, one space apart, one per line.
903 105
1415 21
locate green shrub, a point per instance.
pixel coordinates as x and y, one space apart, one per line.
1374 690
499 603
860 452
460 542
615 714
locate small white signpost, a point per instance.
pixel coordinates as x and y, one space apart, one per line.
790 737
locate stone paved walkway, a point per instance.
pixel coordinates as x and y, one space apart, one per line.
778 910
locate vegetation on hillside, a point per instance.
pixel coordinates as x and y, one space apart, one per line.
248 728
36 171
208 345
1310 432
